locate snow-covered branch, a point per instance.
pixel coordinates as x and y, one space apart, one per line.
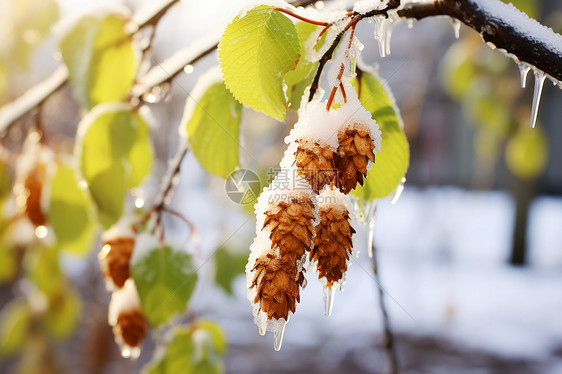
502 25
37 94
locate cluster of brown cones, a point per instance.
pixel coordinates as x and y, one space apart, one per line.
278 275
309 227
346 167
128 321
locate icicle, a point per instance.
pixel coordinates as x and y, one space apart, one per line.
398 191
410 24
380 36
388 34
371 222
539 82
456 27
278 335
524 69
328 300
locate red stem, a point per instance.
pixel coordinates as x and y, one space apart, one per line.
304 19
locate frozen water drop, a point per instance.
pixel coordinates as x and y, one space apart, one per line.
524 69
328 300
539 82
410 24
278 335
371 221
398 191
41 232
456 27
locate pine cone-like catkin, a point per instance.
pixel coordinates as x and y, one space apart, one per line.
355 150
278 273
332 243
114 259
316 163
33 185
131 327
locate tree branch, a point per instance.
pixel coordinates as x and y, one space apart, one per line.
507 29
37 94
15 110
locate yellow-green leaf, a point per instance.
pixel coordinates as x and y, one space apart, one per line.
213 126
392 163
71 213
15 320
115 154
526 153
101 60
255 53
64 313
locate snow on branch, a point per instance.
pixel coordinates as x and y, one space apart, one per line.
37 94
502 25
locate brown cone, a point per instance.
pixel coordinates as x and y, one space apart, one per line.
332 243
131 326
277 277
33 185
115 262
355 150
317 164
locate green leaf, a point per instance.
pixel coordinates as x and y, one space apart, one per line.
302 76
526 153
392 163
115 154
8 265
198 350
178 354
228 266
42 266
101 60
15 320
70 213
5 181
213 130
63 314
165 279
255 52
458 69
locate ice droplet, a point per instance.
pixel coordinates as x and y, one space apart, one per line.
278 335
371 221
398 191
456 27
130 352
410 24
524 69
328 300
539 82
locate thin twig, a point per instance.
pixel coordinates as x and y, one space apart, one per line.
389 345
